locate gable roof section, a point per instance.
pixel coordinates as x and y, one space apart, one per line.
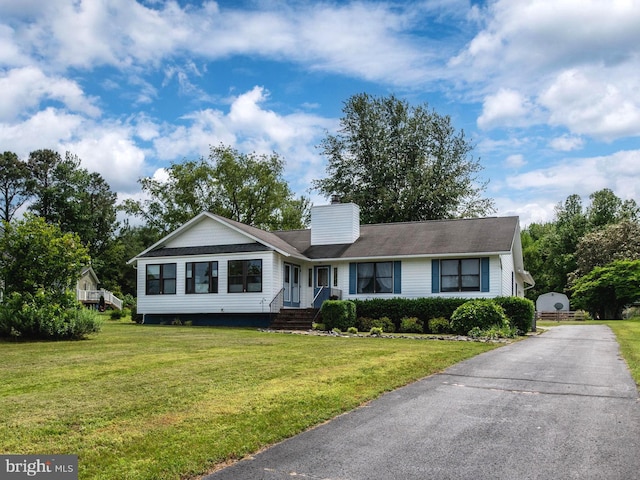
261 238
491 235
432 238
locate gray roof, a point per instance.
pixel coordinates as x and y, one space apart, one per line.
474 236
438 237
206 250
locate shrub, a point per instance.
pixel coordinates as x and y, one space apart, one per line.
116 314
439 325
339 314
397 308
352 330
520 312
494 332
477 313
46 316
376 331
386 324
411 325
135 317
365 324
319 327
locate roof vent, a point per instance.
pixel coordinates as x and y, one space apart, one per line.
335 199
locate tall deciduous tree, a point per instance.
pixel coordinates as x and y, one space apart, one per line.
64 193
248 188
13 188
605 291
38 256
618 241
401 163
578 239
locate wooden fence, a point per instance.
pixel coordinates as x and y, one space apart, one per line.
562 315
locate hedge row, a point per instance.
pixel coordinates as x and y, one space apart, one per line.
520 311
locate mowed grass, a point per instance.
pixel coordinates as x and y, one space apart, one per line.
168 402
628 335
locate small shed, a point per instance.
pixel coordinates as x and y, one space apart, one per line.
552 302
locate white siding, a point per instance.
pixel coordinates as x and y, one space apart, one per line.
335 224
508 276
208 232
416 281
181 303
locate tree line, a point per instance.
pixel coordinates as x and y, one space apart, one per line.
589 253
397 161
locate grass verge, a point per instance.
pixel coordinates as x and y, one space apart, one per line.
145 402
628 334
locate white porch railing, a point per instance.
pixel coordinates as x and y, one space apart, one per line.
93 296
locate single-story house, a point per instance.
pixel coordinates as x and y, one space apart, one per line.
216 271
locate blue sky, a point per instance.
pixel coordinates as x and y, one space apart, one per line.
548 91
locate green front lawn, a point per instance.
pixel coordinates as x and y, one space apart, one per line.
153 402
628 335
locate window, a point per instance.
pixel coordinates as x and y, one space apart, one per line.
335 276
201 277
245 276
161 279
375 277
460 275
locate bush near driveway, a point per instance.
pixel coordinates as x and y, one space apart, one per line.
520 312
478 314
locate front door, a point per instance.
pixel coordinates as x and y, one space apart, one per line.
291 285
321 289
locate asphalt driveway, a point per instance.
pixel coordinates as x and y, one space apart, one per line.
560 405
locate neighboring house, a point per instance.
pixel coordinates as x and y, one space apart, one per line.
217 271
88 293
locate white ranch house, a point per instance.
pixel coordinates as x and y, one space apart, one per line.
216 271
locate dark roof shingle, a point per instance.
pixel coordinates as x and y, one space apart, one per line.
437 237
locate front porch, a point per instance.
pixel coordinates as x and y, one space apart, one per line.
92 297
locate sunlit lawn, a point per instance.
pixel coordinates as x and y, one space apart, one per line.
153 402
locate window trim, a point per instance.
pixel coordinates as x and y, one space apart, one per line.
244 276
459 276
213 279
375 276
162 279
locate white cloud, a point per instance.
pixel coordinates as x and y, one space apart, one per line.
619 171
109 150
105 148
530 210
574 60
515 161
45 129
588 105
250 127
566 143
507 108
25 88
367 40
